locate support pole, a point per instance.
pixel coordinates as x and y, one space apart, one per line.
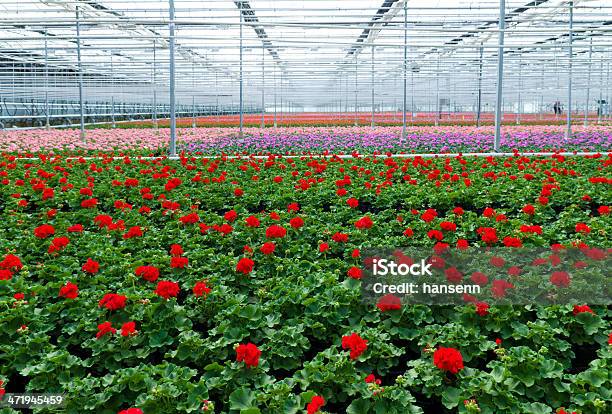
405 68
356 114
568 131
275 122
113 124
193 110
500 75
600 106
172 83
263 86
479 103
81 108
520 85
438 107
47 124
588 91
372 78
241 79
155 125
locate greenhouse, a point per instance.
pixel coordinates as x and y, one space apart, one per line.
305 206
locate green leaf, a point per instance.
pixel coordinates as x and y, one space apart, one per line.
360 406
450 397
241 399
252 410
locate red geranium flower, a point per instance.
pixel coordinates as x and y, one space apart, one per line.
230 216
167 289
135 231
201 289
389 302
323 247
448 359
355 273
448 226
131 411
44 231
148 273
355 343
58 244
91 266
128 329
190 218
268 248
296 222
340 237
582 228
77 228
112 301
582 309
176 250
315 404
560 279
178 262
249 354
252 221
352 202
512 242
69 291
364 223
245 265
482 308
104 329
275 232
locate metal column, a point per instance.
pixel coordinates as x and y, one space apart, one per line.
193 110
479 103
438 109
372 78
263 84
568 132
172 83
588 91
500 74
47 124
155 84
600 106
80 66
356 114
405 66
520 85
241 80
275 123
113 125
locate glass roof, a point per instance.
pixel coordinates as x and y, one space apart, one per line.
311 54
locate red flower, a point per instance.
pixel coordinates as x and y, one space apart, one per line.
167 289
497 261
352 202
268 248
355 273
603 210
245 265
462 244
389 302
355 343
190 218
275 232
201 289
364 223
249 354
529 209
488 212
58 244
512 242
44 231
448 359
435 234
105 328
448 226
5 274
252 221
582 309
295 207
560 279
179 262
458 211
131 411
128 329
340 237
19 296
77 228
69 291
323 247
429 215
482 308
112 301
176 250
238 192
582 228
408 232
453 275
371 379
11 262
296 222
499 287
315 404
91 266
479 278
230 216
488 234
89 203
135 231
274 215
148 273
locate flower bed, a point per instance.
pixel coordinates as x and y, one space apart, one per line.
312 140
232 285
